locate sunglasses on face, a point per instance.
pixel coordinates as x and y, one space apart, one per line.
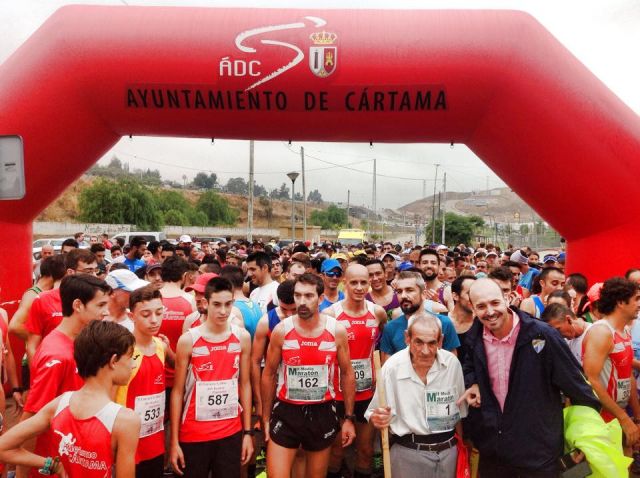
333 274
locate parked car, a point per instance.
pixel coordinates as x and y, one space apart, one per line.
149 236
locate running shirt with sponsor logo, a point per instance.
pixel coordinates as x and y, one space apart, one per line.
84 446
53 372
616 371
145 394
211 399
45 313
362 334
306 373
177 309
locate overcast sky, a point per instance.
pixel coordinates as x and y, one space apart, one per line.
604 35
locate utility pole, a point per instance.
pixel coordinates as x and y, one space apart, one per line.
433 207
424 188
250 213
444 205
348 206
304 199
373 200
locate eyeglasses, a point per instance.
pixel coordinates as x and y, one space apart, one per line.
333 274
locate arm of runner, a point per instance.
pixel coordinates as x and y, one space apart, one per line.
12 375
381 315
330 311
268 382
126 431
257 355
528 306
11 442
597 345
439 308
245 395
33 342
17 324
448 299
183 357
633 399
347 382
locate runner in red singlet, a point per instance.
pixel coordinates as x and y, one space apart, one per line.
53 369
91 434
178 305
211 398
145 391
303 353
363 321
608 355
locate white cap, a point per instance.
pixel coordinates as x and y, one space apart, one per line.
125 279
185 238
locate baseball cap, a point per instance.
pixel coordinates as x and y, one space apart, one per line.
359 252
340 255
153 267
562 257
185 238
442 247
395 258
405 266
549 258
492 254
519 257
329 264
124 279
594 292
201 282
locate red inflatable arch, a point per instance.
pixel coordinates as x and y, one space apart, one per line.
494 80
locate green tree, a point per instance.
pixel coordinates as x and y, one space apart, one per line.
458 229
122 202
332 218
283 192
198 218
173 217
171 200
205 182
216 208
314 196
524 229
237 186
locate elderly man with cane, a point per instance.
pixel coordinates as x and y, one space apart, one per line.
422 384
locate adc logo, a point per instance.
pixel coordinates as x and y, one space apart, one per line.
322 55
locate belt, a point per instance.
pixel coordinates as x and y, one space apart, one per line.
413 442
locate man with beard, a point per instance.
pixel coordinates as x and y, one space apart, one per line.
363 321
259 271
381 292
410 289
133 259
462 314
305 349
430 265
519 367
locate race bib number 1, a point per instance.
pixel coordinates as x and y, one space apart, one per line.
216 400
307 383
442 411
150 408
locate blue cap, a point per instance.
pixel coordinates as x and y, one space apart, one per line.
329 264
405 266
549 258
562 256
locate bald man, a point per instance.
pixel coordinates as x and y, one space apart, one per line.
364 321
518 366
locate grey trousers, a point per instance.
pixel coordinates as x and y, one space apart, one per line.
408 463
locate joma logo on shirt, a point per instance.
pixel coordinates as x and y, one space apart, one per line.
309 344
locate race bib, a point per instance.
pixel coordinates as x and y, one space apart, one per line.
363 374
216 400
307 383
442 411
623 392
150 408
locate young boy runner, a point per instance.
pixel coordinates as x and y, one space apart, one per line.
211 398
144 392
302 353
53 369
90 432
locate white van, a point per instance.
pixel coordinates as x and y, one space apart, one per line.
149 236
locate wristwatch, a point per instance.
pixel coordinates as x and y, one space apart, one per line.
351 418
248 432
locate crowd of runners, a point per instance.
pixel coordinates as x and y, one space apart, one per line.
197 360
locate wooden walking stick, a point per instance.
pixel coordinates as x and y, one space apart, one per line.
382 402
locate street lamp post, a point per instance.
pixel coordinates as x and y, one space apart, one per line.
293 175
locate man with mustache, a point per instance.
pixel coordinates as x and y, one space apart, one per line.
303 353
410 288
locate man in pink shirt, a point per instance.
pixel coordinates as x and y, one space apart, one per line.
516 368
